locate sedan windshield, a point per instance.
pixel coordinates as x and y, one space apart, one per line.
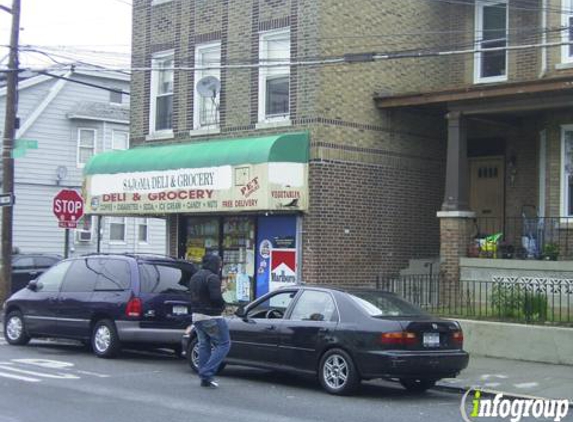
379 304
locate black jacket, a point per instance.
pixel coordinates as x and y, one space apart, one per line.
205 288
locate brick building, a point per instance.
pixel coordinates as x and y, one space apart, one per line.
342 80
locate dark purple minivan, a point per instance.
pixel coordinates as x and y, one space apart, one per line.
106 301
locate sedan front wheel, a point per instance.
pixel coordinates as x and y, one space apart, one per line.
337 373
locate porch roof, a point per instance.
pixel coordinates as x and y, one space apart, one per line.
510 96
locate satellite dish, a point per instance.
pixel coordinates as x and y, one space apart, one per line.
209 86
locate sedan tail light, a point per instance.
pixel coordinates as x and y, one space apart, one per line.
134 308
398 338
458 339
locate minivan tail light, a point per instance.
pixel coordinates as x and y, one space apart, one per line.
398 338
458 338
134 308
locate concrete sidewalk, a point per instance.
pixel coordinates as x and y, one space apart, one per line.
517 378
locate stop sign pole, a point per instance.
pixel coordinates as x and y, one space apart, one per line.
68 207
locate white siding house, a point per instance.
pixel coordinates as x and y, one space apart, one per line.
71 121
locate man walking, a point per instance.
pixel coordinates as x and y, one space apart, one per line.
212 331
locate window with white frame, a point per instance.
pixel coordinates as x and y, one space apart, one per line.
117 229
205 108
567 171
274 79
142 230
86 145
161 107
567 24
491 33
119 140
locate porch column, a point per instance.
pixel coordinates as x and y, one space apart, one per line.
456 220
457 179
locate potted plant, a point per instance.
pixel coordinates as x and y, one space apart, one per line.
550 251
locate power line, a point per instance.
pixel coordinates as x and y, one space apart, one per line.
344 59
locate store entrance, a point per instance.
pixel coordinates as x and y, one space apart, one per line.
260 253
232 238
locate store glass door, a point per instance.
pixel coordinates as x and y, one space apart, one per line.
238 258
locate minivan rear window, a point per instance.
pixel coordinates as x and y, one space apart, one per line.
161 278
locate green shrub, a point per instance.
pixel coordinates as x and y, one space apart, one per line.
513 301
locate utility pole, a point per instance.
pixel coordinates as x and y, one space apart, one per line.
7 148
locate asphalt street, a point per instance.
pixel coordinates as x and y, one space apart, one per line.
62 381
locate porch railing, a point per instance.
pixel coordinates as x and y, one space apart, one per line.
525 237
531 301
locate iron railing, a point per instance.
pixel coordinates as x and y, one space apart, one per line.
526 237
520 300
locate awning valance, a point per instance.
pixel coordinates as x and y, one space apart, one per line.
252 174
290 147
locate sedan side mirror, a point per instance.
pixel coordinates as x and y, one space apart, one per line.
241 312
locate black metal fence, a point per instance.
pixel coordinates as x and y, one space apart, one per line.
527 300
525 237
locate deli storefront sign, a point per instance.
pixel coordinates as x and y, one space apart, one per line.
258 187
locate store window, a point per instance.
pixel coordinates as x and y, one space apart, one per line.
274 82
238 258
232 238
491 33
161 107
205 108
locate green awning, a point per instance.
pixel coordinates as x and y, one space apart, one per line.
289 147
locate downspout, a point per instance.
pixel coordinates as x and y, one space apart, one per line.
543 71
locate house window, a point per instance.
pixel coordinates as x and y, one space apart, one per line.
119 140
142 230
161 107
117 229
491 33
205 108
86 145
567 24
274 82
116 96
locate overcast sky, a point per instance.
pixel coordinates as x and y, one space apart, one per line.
67 26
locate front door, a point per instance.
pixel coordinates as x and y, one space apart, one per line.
255 337
307 329
487 175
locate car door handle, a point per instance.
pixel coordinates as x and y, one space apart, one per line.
270 328
324 330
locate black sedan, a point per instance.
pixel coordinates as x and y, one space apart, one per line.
343 336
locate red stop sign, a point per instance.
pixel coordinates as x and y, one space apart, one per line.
68 207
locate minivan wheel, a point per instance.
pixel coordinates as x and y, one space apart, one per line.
337 373
15 330
193 356
105 341
417 385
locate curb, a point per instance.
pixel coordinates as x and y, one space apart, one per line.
491 393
